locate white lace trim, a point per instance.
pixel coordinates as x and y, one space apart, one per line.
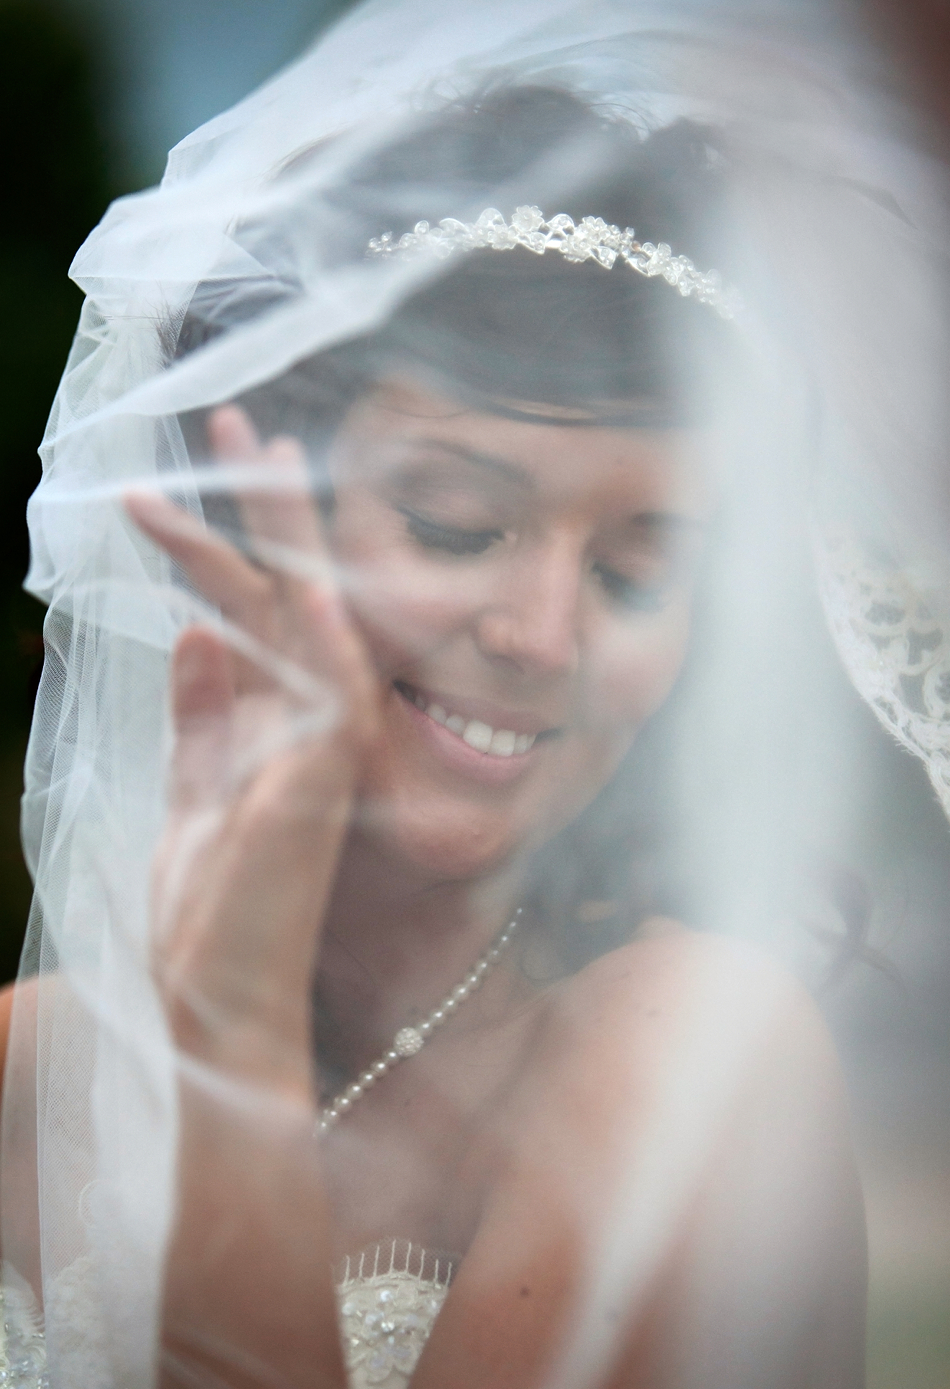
893 647
22 1348
388 1299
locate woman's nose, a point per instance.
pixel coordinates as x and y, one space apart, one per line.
532 619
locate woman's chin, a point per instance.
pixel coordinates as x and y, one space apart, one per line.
418 825
435 844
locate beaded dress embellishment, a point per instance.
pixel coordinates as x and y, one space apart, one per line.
389 1298
22 1347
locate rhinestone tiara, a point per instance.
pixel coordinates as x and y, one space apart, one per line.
590 239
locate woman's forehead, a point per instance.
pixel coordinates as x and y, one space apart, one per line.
402 422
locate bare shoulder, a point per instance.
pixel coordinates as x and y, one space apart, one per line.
726 1063
24 996
684 1123
670 980
666 954
6 1016
676 1013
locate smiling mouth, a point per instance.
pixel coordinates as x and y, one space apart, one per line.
493 742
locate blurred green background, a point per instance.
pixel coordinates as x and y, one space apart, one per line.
92 94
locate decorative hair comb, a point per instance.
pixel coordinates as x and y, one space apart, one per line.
591 239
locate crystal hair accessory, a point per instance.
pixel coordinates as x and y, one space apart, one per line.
590 239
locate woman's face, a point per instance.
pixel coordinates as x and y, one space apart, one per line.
524 589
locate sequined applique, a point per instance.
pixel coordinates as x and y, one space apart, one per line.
22 1348
389 1298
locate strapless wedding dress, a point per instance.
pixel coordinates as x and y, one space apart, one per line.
388 1298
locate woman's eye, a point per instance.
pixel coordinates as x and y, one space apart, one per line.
454 540
632 594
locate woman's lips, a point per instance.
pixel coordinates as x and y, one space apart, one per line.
496 742
470 745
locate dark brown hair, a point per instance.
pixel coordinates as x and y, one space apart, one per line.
504 331
507 328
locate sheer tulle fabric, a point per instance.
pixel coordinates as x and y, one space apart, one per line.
836 240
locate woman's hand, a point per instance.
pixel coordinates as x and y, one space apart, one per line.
274 709
272 716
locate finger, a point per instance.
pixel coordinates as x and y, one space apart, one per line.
203 701
285 533
285 512
246 596
242 592
201 682
281 512
334 646
215 567
232 435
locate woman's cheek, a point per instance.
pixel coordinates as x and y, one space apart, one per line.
403 603
406 610
640 660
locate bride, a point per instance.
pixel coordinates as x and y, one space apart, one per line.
423 537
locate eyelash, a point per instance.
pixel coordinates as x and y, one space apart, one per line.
454 540
627 593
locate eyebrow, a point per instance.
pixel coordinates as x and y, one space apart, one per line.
651 520
665 520
491 462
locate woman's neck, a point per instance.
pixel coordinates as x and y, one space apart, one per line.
395 941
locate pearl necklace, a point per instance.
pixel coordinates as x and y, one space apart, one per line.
409 1040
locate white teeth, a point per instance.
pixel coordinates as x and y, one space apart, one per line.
477 735
502 743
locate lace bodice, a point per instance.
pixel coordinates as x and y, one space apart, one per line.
22 1348
388 1299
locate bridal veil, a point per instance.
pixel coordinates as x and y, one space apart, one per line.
833 406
